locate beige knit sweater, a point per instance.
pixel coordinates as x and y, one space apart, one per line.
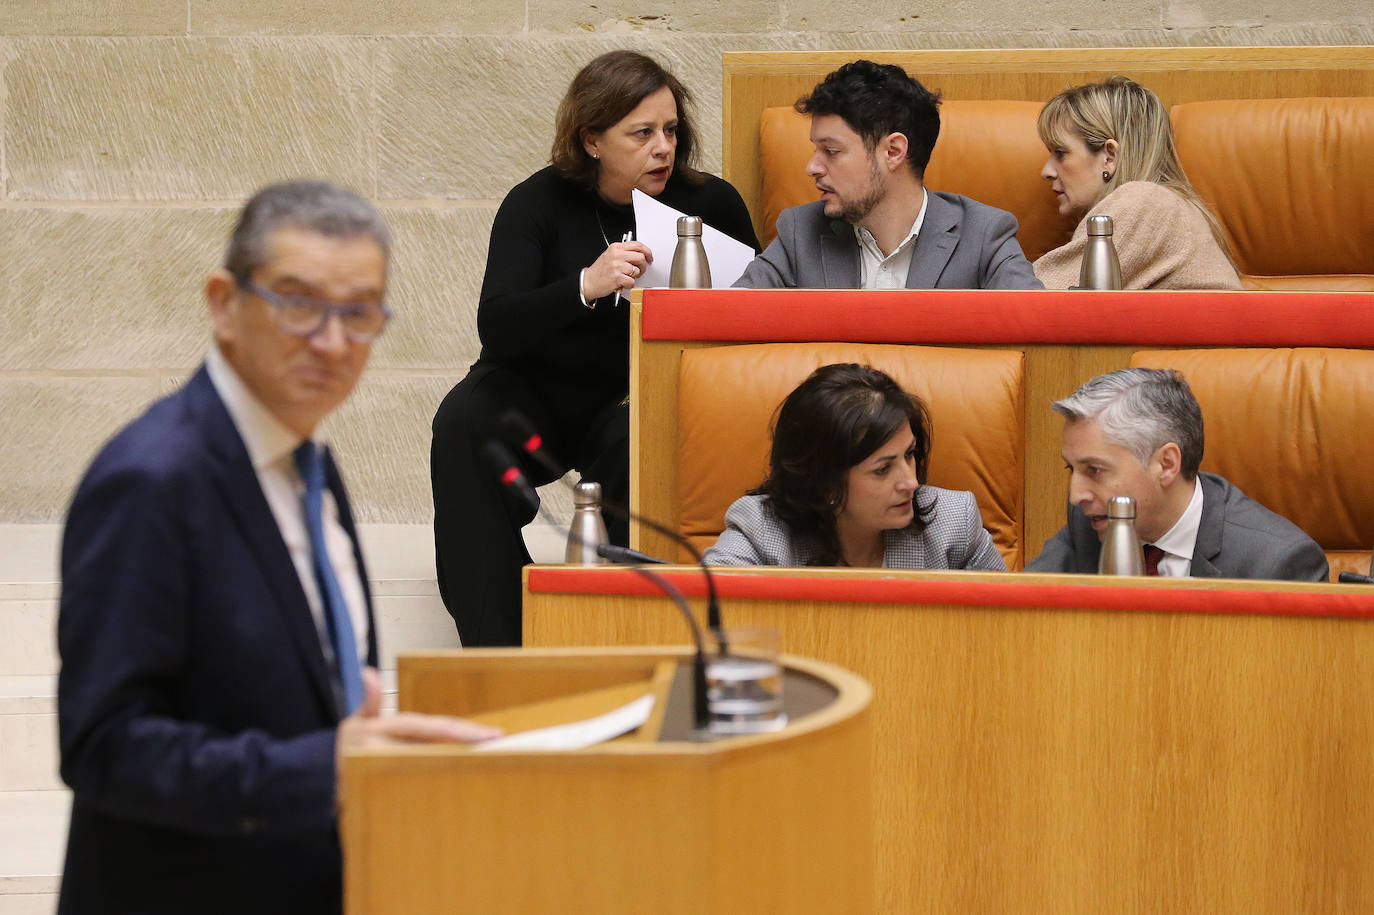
1162 241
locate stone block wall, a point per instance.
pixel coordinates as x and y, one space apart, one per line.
130 131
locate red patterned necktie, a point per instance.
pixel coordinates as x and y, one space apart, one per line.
1153 555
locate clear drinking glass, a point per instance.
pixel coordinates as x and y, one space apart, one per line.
744 686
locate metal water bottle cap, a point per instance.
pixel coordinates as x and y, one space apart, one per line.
1101 269
589 493
1121 553
587 530
690 268
1121 507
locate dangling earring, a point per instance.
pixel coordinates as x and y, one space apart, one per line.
1106 176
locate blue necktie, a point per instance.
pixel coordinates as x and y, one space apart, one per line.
310 463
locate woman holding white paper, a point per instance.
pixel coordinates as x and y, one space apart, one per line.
554 324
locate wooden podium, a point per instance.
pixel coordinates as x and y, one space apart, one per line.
653 821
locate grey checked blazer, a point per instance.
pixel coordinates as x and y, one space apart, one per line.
954 538
963 244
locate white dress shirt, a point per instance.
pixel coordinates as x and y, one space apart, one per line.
270 447
879 271
1180 540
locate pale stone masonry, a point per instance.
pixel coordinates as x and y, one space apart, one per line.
130 130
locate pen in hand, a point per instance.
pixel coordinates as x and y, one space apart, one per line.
628 236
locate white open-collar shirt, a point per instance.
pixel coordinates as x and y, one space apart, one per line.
879 271
1179 542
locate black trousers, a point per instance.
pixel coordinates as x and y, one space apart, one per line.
477 544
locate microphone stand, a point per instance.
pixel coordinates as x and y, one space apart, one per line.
623 555
701 716
514 479
532 443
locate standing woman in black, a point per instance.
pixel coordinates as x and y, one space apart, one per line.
555 327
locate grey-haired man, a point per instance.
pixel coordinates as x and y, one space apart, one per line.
1138 433
216 629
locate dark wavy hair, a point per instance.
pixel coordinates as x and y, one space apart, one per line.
831 422
600 95
876 100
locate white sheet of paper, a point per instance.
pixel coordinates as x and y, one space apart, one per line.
577 735
656 226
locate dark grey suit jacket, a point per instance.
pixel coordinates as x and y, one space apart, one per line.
963 244
1237 538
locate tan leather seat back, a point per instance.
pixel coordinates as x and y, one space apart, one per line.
988 150
1290 181
784 148
728 396
1329 282
1290 427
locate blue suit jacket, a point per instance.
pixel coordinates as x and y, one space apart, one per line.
196 711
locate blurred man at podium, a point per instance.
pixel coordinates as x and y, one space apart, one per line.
216 631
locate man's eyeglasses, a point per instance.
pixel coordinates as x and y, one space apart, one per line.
302 316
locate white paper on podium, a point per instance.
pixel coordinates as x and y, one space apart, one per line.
577 735
656 226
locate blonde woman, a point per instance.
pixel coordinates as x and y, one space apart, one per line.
1112 154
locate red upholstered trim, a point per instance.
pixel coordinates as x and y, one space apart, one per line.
1341 319
936 590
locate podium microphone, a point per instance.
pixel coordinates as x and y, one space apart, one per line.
513 478
522 431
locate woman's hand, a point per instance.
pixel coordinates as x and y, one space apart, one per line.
617 268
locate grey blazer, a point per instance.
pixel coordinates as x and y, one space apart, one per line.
954 539
1237 538
963 244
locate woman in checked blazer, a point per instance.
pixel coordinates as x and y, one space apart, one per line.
846 486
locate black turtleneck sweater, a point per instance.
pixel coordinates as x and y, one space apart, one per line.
547 230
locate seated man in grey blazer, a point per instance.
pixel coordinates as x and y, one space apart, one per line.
876 226
1138 433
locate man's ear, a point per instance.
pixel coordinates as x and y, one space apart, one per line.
222 295
1167 464
892 151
